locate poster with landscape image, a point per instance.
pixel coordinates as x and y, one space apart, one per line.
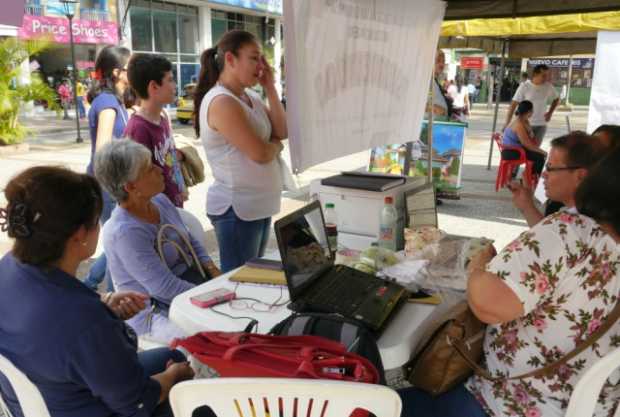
447 153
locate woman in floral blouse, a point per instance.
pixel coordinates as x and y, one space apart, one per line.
542 295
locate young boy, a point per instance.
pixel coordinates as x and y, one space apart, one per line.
151 78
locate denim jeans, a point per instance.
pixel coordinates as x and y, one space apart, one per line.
80 107
97 272
458 402
239 240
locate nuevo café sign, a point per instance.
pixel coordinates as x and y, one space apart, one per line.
57 30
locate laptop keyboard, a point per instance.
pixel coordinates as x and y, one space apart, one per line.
345 293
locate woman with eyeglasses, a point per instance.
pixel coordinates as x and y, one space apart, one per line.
545 294
107 119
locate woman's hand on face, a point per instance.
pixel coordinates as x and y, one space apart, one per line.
266 77
126 304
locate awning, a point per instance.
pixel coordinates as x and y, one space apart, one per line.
568 34
476 9
538 25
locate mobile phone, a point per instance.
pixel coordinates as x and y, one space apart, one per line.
211 298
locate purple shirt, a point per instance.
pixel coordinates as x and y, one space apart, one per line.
103 101
134 264
158 139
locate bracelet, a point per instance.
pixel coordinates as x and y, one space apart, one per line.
105 298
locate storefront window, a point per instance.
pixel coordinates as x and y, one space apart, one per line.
188 34
263 29
165 31
141 39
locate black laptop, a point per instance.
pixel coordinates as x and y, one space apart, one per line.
316 284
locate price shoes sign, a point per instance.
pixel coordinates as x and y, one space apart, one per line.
57 30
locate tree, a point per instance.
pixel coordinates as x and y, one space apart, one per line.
13 96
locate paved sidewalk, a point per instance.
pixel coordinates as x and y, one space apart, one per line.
480 212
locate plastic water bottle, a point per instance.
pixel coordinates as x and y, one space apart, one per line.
387 228
331 226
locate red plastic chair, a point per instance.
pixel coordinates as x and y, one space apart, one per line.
507 166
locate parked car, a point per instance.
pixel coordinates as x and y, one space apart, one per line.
185 104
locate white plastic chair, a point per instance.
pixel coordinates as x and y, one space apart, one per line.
585 395
282 397
28 394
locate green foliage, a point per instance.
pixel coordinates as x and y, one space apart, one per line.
12 96
454 167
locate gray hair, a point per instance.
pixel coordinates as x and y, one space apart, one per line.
120 162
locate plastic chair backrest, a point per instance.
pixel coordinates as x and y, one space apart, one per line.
282 397
586 393
194 226
497 137
28 394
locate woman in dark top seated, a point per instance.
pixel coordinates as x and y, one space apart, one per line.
519 134
70 342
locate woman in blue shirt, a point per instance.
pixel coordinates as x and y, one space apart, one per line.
72 344
107 119
519 134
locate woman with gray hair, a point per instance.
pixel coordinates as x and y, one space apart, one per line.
125 170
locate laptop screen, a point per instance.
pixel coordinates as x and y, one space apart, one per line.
304 249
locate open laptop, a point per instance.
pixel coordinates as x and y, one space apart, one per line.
316 284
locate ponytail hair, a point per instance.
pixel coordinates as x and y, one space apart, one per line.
212 65
109 59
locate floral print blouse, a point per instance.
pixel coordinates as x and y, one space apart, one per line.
566 272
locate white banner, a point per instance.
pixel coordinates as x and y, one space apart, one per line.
357 73
605 96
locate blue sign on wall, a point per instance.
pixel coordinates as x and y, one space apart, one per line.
269 6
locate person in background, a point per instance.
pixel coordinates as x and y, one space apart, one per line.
64 92
70 342
460 98
125 169
538 90
524 77
520 134
442 104
242 138
81 93
107 119
608 135
150 77
472 91
543 295
131 102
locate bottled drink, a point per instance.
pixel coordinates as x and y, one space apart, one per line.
331 226
387 228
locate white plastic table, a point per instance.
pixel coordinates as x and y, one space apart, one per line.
395 343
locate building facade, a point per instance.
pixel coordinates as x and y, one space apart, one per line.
182 29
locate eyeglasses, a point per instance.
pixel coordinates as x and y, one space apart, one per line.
552 169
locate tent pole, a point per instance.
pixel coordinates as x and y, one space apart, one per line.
568 82
429 131
499 76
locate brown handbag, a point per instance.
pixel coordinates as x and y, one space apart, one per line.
455 348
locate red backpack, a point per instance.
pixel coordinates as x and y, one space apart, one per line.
241 354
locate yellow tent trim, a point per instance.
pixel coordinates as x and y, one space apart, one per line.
539 25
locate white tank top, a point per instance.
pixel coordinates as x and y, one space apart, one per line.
252 189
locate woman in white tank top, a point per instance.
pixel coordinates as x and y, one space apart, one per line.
242 140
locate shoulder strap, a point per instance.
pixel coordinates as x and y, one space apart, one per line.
612 318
